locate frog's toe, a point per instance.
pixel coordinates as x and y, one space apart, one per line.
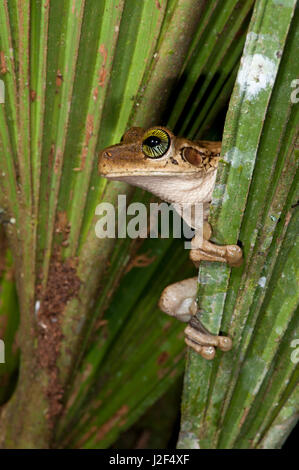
224 343
234 255
203 342
207 352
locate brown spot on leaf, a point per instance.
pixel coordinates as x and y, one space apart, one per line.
158 4
88 135
62 226
102 76
95 93
51 155
58 159
103 71
32 95
63 285
100 323
3 68
140 261
288 218
59 78
162 357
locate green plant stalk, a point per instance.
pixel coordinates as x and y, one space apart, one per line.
276 435
38 55
109 27
23 114
162 72
274 319
9 77
267 219
226 219
282 378
67 61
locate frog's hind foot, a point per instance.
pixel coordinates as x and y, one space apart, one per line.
203 342
204 250
179 301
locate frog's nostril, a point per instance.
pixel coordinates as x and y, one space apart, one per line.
107 154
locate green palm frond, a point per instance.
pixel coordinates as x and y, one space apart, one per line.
93 351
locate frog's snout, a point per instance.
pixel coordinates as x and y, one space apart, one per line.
104 161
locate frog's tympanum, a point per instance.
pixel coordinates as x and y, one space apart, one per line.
178 171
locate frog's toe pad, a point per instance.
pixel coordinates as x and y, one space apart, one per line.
234 255
207 352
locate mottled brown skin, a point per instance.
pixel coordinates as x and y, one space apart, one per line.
185 173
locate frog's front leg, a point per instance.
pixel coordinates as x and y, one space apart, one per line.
179 300
204 250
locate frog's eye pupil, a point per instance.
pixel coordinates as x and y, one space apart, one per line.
156 143
152 141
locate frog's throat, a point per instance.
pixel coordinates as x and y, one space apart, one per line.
177 188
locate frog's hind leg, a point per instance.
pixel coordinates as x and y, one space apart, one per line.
202 341
204 250
179 301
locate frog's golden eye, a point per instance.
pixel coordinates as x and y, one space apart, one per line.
155 143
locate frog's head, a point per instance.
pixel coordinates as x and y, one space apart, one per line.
158 161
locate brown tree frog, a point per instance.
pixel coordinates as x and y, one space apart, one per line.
178 171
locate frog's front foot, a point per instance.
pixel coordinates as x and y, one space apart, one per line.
204 250
203 342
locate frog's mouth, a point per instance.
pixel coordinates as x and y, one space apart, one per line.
150 174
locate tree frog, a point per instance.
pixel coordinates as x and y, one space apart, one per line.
178 171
